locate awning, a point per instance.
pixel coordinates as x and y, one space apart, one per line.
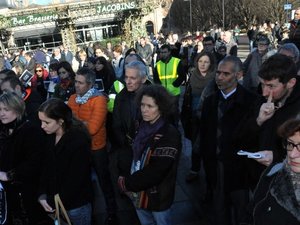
33 30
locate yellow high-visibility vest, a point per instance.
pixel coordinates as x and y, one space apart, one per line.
167 73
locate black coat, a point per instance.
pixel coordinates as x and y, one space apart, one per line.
274 199
21 152
126 115
67 169
268 136
20 156
265 137
234 166
156 180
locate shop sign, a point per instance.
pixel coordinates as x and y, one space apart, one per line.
32 19
50 16
115 7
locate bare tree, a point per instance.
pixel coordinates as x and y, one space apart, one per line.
205 13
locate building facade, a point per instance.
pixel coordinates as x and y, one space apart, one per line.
72 22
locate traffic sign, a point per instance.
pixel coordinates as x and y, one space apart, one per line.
287 6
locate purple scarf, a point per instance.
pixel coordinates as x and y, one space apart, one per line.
144 135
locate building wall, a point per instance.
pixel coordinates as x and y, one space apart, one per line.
156 17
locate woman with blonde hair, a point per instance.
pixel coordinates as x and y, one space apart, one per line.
21 147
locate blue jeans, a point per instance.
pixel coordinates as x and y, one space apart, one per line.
147 217
81 215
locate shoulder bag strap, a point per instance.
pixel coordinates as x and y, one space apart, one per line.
59 205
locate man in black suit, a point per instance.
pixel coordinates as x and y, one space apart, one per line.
222 113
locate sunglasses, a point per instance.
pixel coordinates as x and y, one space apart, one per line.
38 70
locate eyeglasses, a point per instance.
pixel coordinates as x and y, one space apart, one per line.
290 145
38 70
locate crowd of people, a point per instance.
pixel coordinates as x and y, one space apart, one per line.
60 129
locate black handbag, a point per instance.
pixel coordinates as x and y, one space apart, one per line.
186 110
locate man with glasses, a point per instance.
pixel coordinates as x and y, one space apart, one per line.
253 62
294 34
222 114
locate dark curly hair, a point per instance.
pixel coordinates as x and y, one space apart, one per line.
166 102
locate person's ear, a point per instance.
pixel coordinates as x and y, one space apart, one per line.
239 75
144 80
61 122
291 83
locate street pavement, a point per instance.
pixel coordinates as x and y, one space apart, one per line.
189 205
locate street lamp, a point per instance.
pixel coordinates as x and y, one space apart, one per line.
191 17
223 10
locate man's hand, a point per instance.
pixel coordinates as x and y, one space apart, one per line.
266 111
3 176
267 158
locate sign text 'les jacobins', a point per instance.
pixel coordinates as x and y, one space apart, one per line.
46 17
114 7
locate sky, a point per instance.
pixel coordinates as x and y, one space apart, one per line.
40 2
47 2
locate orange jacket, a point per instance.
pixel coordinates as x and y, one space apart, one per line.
93 114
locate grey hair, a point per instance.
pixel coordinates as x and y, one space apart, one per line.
291 47
139 66
236 61
90 76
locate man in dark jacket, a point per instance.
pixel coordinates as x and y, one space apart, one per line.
31 97
145 51
222 113
294 35
126 114
30 62
281 90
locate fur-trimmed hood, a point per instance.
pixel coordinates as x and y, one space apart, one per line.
283 191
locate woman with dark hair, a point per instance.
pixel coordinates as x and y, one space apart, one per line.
203 72
277 196
66 169
200 76
65 88
156 150
53 80
104 71
21 147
